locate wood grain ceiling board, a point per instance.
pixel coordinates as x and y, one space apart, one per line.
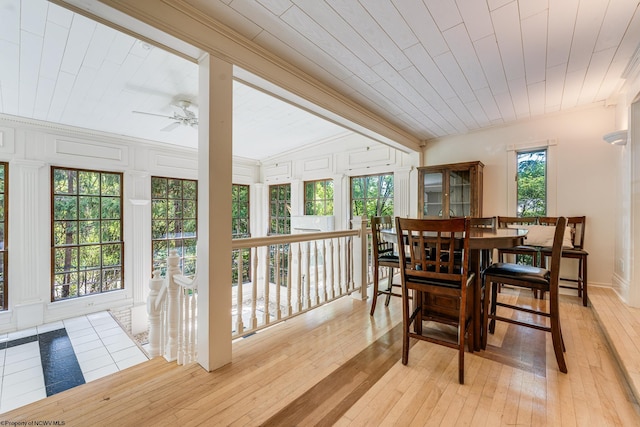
369 29
489 54
445 13
424 27
391 22
462 49
506 23
333 24
534 46
476 18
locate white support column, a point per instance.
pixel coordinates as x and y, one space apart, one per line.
402 192
138 234
215 99
27 298
341 201
297 197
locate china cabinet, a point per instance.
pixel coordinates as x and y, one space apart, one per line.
450 190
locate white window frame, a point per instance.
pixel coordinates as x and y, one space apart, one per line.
551 145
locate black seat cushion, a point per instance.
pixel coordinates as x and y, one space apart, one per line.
518 272
567 251
389 258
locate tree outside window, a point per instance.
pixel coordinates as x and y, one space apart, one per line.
174 222
279 223
532 183
372 195
240 229
318 197
86 234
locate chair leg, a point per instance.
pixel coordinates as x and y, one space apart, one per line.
406 326
492 312
390 287
583 267
375 291
556 333
485 314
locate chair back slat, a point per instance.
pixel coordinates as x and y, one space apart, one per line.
438 248
485 222
380 246
505 221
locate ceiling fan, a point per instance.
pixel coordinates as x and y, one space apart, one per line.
186 118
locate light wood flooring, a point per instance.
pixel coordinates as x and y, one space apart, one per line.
338 366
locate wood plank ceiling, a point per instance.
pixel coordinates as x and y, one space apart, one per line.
432 67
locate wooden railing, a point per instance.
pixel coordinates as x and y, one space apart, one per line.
171 306
290 274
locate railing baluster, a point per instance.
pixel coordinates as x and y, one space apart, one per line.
307 282
267 283
299 284
254 291
278 311
289 306
239 299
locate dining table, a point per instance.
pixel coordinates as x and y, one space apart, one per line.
482 241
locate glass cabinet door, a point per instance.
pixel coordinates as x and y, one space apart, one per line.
459 193
433 189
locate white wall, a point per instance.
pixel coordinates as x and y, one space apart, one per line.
586 172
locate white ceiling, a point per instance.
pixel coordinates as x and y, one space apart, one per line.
432 67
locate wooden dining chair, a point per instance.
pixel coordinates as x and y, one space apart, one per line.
576 225
440 282
536 279
383 256
508 221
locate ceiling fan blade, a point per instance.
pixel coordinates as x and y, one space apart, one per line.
153 114
170 127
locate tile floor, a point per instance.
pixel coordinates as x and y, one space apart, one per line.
41 361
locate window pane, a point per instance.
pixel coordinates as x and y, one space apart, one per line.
532 183
77 245
172 200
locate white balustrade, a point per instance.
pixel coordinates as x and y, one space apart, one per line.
289 275
172 311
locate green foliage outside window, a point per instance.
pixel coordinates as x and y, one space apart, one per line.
240 229
279 223
318 197
3 236
174 221
372 195
532 183
87 245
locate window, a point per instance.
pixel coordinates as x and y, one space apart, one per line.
279 223
240 211
532 183
318 197
280 209
372 195
174 220
240 229
87 246
4 208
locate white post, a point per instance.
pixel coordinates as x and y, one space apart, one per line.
173 309
154 312
360 256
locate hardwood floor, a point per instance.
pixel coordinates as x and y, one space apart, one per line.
338 366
